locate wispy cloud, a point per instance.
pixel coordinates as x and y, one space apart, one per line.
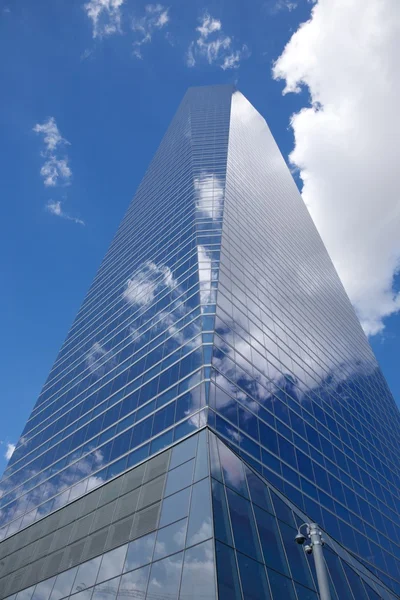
55 208
277 6
346 143
105 16
214 46
155 18
55 168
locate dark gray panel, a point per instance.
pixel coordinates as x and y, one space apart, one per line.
133 479
145 521
151 492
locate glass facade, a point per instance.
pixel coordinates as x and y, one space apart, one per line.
295 385
216 308
194 522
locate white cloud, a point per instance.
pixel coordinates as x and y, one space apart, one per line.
209 191
105 16
156 17
51 134
280 5
9 451
141 289
55 168
208 25
147 282
214 46
99 360
54 207
346 143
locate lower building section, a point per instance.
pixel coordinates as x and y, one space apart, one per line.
194 522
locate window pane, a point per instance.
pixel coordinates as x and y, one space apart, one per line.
26 594
283 512
253 578
354 580
134 584
243 526
63 584
175 507
201 468
222 527
281 586
227 575
198 576
85 595
140 552
170 539
112 564
183 452
337 574
214 458
298 562
165 577
258 491
43 589
107 590
233 470
274 555
87 573
371 594
200 526
179 478
304 593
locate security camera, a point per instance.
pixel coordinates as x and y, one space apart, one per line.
300 538
308 549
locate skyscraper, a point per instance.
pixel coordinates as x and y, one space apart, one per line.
215 391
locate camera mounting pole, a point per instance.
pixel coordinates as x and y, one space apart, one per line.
315 548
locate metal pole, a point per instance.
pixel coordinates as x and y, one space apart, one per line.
320 567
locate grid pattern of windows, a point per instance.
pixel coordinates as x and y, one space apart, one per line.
216 530
132 366
150 514
295 385
256 556
216 305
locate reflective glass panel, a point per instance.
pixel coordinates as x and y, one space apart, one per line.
165 576
198 575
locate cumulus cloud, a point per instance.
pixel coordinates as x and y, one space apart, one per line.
209 190
214 46
55 208
147 282
141 289
156 17
55 168
346 143
99 360
105 16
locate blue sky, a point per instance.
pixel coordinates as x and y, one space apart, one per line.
88 90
